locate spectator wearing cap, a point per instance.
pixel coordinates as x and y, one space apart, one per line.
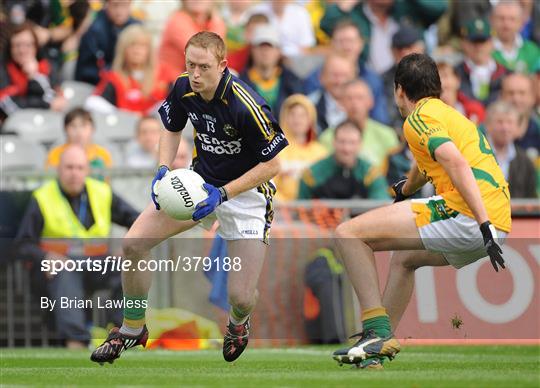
451 24
266 72
407 40
237 57
347 40
511 50
451 94
293 23
502 124
480 75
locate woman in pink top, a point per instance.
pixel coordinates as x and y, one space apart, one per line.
194 16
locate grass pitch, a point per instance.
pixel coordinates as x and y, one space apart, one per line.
415 366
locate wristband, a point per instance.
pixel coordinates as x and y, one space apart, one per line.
223 193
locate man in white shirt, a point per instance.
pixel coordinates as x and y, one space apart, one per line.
293 22
337 71
143 152
502 123
383 28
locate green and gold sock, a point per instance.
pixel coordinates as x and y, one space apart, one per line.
377 320
237 316
134 311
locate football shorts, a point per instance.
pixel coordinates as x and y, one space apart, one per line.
249 215
456 236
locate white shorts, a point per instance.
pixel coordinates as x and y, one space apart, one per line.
247 216
456 236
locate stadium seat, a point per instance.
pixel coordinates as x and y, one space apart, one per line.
76 93
116 127
21 154
38 125
116 151
303 65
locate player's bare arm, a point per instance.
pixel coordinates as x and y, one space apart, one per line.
463 179
408 185
415 181
168 147
259 174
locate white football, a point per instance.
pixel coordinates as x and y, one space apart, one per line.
179 191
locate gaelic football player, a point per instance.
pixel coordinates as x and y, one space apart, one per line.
236 143
462 223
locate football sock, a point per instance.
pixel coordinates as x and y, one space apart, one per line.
238 317
377 320
367 361
134 315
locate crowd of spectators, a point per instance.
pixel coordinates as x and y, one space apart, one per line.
320 65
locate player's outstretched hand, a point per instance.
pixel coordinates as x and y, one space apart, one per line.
216 196
398 190
160 173
493 249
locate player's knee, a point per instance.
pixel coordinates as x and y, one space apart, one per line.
402 262
242 299
134 247
344 230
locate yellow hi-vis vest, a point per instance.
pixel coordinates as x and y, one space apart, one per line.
60 222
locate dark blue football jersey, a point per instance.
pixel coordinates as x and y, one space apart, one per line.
233 132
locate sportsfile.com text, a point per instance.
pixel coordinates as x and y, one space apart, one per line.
117 263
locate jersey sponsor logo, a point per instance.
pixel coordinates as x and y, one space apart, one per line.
219 147
268 149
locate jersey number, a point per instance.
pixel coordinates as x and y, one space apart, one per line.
210 126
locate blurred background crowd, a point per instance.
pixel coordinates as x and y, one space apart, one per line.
93 73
